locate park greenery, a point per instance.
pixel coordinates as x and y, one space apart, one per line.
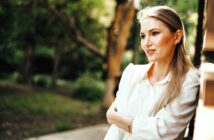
47 67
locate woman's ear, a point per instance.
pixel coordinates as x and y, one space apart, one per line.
178 36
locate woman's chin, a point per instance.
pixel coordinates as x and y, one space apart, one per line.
151 60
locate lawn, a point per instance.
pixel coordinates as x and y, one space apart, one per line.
33 112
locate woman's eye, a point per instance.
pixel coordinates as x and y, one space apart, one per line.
142 36
155 33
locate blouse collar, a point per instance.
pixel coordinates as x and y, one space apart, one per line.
166 79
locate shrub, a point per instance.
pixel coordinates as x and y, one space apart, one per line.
41 81
88 87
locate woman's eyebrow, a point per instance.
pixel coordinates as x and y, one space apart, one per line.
149 30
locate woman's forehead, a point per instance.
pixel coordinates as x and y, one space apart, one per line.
151 23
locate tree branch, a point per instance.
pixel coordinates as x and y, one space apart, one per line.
70 22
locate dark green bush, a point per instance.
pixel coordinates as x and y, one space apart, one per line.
41 81
88 88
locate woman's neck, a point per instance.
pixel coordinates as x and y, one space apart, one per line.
158 71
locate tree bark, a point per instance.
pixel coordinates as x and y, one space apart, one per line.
117 40
199 35
57 59
29 53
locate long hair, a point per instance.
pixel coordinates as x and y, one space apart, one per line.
180 62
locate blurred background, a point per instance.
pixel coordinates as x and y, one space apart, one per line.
61 60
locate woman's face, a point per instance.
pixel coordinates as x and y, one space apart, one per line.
157 40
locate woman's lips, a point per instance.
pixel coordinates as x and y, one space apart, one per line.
150 52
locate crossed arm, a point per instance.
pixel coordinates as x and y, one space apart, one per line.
114 117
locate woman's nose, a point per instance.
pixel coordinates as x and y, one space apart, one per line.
147 41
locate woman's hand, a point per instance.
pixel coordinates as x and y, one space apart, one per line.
111 113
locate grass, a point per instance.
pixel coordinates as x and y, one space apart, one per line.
62 126
47 103
28 112
35 113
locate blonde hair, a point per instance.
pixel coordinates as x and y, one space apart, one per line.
180 62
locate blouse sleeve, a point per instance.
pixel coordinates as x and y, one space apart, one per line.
171 120
125 78
124 86
114 132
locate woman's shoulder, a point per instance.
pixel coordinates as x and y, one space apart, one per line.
137 67
134 71
193 76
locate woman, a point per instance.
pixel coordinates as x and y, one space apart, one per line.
157 100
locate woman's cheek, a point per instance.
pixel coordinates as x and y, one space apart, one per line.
142 47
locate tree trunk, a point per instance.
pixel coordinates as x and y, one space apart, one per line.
199 35
29 53
135 32
57 59
117 40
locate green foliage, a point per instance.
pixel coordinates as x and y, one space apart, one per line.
26 23
88 88
45 51
77 61
62 126
86 17
91 17
43 81
46 103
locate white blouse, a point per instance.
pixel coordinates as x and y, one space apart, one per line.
136 98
